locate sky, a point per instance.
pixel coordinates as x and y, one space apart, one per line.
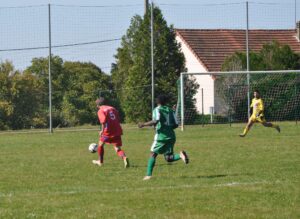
24 24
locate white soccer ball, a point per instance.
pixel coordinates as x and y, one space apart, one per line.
93 147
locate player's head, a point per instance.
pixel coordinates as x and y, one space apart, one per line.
161 100
256 94
100 101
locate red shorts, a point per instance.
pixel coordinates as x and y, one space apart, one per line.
116 140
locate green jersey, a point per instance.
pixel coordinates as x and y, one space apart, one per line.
166 123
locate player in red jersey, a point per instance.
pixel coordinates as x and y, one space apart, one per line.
111 131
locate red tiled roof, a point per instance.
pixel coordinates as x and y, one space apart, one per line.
212 46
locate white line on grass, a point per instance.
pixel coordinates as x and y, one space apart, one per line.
150 188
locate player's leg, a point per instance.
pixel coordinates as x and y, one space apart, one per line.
171 157
248 127
158 147
122 154
270 125
100 151
150 166
117 142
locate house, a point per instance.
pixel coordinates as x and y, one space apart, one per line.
206 49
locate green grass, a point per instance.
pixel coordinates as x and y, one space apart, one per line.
51 176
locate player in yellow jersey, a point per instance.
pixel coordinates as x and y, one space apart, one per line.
258 115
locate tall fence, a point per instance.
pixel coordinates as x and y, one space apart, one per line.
93 34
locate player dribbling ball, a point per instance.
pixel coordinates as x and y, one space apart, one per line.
111 131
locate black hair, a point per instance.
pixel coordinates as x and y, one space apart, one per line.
162 99
257 91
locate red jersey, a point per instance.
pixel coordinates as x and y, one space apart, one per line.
109 118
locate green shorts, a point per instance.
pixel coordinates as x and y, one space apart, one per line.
163 147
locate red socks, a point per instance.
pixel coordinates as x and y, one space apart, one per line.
121 153
101 153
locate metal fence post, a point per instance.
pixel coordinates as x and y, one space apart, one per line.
295 12
296 113
202 104
49 71
248 58
182 100
152 57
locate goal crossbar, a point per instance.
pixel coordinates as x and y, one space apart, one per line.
241 72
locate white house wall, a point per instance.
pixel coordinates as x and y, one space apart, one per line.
205 81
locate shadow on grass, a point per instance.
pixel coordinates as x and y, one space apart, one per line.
217 176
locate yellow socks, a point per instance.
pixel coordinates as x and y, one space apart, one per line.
246 130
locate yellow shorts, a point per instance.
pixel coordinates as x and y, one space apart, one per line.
260 119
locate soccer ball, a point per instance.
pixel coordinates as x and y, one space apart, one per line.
93 147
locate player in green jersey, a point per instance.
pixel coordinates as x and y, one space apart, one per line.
165 122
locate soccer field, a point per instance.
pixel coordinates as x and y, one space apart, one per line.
52 176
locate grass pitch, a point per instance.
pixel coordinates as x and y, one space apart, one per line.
52 176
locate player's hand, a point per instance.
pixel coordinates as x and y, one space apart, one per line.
100 133
174 107
141 125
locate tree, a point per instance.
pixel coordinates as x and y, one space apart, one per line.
131 74
26 101
59 80
19 99
6 108
85 80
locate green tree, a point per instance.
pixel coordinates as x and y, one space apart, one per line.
85 80
6 108
39 67
131 74
26 101
19 99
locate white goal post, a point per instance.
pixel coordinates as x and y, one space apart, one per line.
231 91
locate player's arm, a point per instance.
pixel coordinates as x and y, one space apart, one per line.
154 121
175 124
102 120
101 130
150 123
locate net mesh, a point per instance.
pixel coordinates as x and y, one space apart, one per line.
223 98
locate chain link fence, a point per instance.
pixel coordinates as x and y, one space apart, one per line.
87 37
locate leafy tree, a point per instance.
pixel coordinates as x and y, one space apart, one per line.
19 99
26 101
131 74
6 108
39 67
85 80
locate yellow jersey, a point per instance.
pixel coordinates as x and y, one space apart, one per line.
258 106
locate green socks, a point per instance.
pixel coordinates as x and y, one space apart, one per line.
151 164
176 157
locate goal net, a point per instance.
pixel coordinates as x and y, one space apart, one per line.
225 97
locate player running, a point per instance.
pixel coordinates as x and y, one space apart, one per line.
258 115
165 122
111 131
